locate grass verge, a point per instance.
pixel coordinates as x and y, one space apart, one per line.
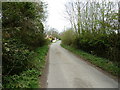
99 62
29 78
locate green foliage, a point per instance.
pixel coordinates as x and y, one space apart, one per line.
103 45
68 37
41 52
16 14
100 62
28 78
23 32
97 28
24 20
34 40
16 56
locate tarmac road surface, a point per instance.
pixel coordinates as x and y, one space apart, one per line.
66 70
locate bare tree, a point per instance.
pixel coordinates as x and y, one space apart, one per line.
93 17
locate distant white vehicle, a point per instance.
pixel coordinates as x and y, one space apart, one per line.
54 41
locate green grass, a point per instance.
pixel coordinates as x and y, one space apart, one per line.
29 78
98 61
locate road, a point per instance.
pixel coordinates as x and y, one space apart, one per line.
66 70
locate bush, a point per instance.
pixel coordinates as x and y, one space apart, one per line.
68 37
34 40
103 45
28 78
23 32
16 56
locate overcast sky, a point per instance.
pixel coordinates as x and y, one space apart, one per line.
56 15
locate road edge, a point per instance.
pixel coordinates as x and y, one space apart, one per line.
43 78
116 78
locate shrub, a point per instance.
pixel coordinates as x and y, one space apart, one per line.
16 56
28 78
68 37
103 45
34 40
